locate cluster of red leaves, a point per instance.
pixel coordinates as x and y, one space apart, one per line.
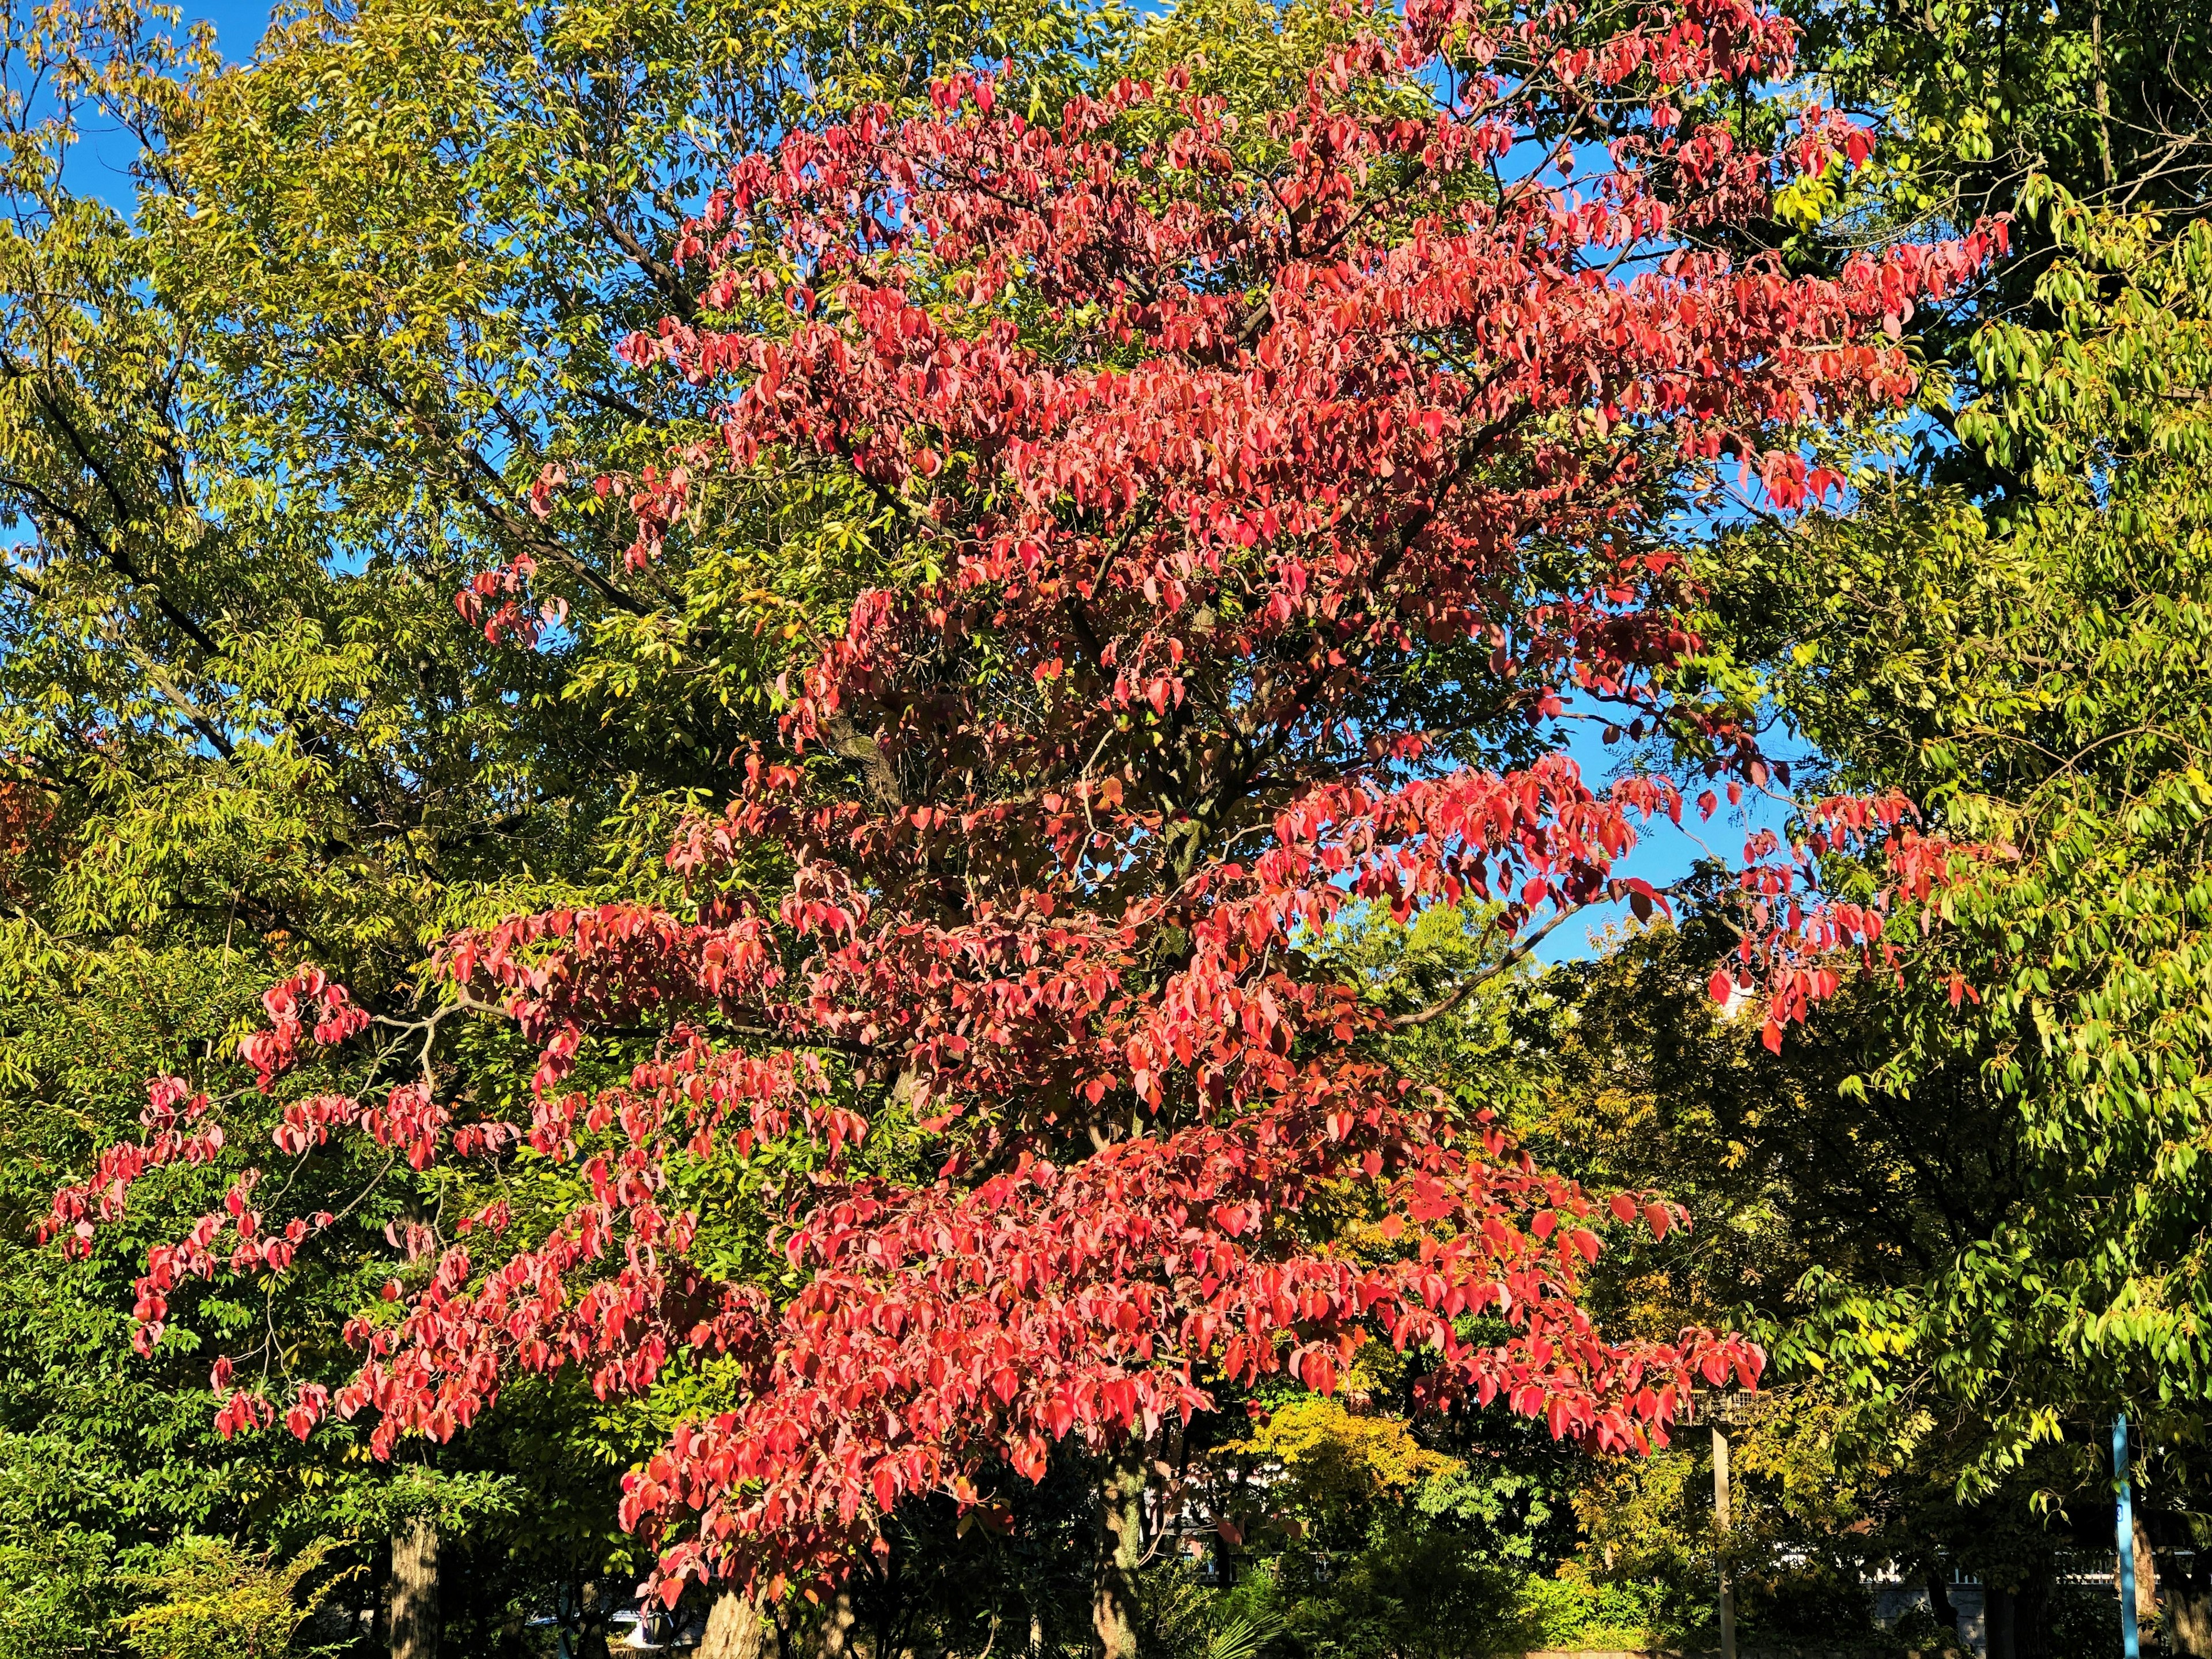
1795 936
945 1328
309 993
1298 440
26 817
171 1106
511 621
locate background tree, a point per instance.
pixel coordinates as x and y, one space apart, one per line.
2001 626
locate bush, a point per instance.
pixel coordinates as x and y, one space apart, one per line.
1571 1609
207 1598
1408 1596
57 1593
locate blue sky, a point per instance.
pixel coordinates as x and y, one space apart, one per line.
238 27
101 164
1663 854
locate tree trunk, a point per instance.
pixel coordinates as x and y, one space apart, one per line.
2146 1573
2018 1619
1121 1550
415 1588
837 1621
2032 1615
1939 1600
2188 1628
1998 1610
2103 95
2184 1590
591 1622
735 1629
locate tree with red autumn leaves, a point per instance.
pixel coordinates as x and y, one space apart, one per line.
1267 490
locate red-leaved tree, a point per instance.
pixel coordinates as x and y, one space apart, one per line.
1266 492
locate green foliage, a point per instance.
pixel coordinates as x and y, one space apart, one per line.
1962 1208
1241 1638
2035 675
208 1599
60 1592
1973 105
66 1592
1572 1609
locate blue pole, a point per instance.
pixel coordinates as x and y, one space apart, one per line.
2131 1643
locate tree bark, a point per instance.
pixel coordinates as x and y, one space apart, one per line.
2146 1574
2103 96
1939 1600
415 1588
1999 1606
593 1611
2188 1628
837 1621
1121 1550
735 1629
2032 1615
2018 1619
